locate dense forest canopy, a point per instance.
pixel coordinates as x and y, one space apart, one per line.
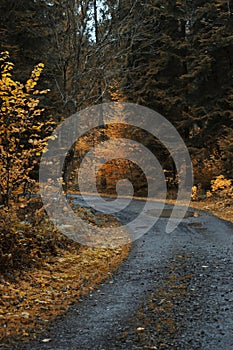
175 57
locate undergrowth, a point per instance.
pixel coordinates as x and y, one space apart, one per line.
27 237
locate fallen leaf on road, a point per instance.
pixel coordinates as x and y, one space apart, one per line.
46 340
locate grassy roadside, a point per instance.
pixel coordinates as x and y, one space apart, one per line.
33 296
215 207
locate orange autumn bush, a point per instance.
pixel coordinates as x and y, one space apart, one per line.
222 188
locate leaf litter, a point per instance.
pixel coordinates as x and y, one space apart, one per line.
32 297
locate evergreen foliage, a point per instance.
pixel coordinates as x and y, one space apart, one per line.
179 62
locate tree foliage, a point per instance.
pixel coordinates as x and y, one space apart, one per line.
22 131
179 61
172 56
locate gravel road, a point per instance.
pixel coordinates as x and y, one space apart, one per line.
174 291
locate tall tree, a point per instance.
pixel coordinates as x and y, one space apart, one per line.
179 61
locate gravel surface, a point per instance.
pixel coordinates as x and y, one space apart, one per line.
174 291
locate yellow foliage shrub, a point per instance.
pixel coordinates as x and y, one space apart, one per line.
194 193
22 132
222 187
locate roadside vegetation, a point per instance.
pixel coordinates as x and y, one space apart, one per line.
218 200
42 272
59 57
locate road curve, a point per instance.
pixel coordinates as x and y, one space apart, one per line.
101 316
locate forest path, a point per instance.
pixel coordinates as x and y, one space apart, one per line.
97 321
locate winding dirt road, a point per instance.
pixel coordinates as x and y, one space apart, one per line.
98 321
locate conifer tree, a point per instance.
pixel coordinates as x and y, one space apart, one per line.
179 61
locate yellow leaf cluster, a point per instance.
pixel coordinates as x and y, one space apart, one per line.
19 120
222 187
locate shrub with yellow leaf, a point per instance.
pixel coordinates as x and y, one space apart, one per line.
22 130
222 187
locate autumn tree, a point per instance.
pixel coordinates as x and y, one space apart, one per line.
22 130
172 56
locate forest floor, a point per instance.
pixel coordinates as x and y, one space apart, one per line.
32 297
35 297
